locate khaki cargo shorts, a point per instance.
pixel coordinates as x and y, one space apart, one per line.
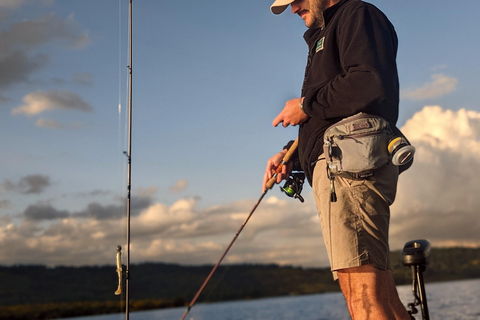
355 227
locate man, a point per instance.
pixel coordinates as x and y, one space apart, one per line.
351 68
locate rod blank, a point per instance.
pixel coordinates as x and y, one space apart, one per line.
269 185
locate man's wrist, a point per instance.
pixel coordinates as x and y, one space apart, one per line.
300 104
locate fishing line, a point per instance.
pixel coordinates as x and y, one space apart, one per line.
122 124
120 130
214 286
270 183
119 57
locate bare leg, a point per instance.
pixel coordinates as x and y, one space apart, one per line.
395 303
371 294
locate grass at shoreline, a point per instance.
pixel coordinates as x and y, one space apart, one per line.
77 309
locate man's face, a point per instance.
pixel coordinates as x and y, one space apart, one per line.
310 11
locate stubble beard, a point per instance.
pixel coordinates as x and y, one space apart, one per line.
316 10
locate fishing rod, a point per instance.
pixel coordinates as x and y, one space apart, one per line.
268 186
128 154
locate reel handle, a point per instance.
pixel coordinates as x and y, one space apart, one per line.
270 183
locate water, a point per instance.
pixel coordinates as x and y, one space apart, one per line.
459 300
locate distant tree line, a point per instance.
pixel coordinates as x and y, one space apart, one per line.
40 292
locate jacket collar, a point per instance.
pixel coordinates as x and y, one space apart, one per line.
330 12
327 16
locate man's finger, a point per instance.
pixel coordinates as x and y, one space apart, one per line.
276 122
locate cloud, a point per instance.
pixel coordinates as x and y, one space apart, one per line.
83 78
34 183
29 34
5 204
146 192
438 87
94 193
179 186
93 210
48 123
44 211
41 101
21 39
53 124
98 211
3 99
17 67
15 4
11 4
438 196
280 231
31 184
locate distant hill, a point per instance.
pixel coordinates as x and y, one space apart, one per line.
153 285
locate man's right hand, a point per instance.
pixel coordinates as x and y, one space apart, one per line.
272 165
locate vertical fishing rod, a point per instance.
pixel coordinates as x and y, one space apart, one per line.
128 154
268 186
129 157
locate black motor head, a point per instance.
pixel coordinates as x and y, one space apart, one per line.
416 252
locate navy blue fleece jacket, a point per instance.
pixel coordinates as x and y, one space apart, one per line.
351 68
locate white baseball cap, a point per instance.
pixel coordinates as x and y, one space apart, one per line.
280 5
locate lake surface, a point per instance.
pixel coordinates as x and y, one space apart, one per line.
458 300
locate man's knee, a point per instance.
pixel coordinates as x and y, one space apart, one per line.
362 273
365 289
366 280
367 268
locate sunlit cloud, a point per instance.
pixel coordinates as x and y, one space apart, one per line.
179 186
41 101
437 200
438 197
438 87
182 233
146 192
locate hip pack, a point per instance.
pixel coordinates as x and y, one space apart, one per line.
357 145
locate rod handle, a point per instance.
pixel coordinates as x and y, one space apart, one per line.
270 183
119 271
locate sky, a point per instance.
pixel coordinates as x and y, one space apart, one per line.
208 79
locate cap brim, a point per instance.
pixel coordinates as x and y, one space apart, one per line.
280 5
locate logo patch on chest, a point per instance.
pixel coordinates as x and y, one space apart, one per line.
320 45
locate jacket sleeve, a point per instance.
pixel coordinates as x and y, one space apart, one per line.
295 158
367 46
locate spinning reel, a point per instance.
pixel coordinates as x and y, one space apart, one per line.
294 185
